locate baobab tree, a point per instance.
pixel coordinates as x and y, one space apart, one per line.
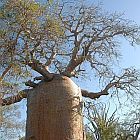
61 41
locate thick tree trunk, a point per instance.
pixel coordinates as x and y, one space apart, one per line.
54 111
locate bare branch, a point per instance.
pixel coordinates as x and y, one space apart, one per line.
35 47
77 60
50 60
16 98
137 133
31 84
39 78
127 82
93 95
40 68
5 71
91 31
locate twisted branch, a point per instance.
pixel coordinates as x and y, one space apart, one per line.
14 99
128 82
40 68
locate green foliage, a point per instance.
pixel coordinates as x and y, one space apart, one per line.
11 123
25 23
105 125
23 138
89 136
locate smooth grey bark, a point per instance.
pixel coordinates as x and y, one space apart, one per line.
54 111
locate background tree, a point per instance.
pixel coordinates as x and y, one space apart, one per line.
103 126
107 126
11 123
61 41
131 121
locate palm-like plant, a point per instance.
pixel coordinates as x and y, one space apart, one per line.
103 124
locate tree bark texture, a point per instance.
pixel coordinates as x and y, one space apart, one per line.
54 111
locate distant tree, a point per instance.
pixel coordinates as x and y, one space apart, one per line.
102 124
61 41
11 124
23 138
132 120
89 136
